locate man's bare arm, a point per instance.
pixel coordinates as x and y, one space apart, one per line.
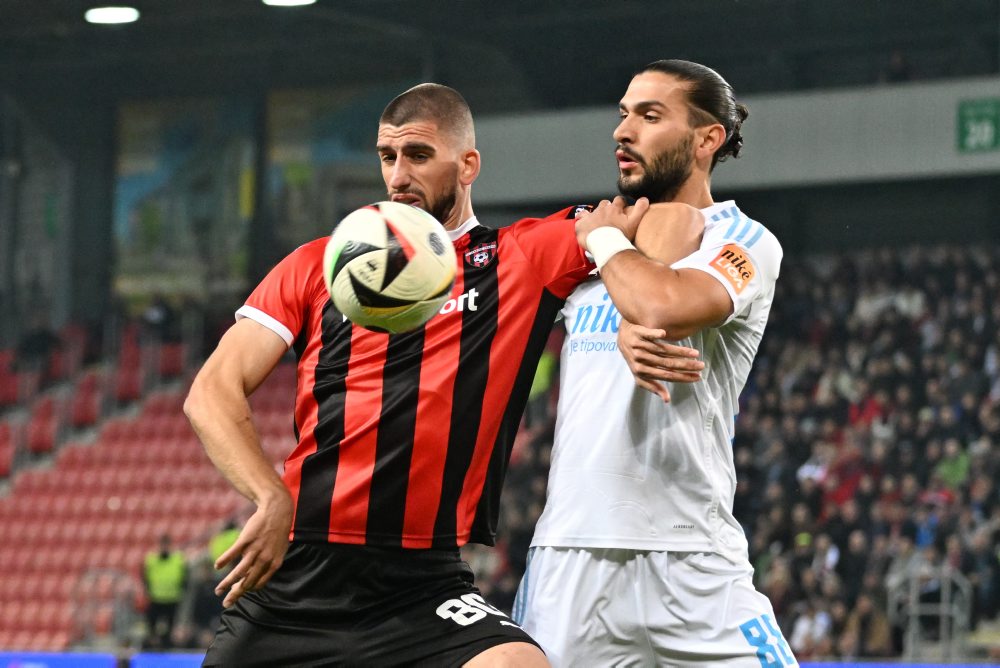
219 411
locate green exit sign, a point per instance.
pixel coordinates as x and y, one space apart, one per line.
979 125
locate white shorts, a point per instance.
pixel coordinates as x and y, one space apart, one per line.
613 607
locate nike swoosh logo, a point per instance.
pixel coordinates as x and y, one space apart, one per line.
503 623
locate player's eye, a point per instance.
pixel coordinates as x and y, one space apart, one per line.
385 157
651 118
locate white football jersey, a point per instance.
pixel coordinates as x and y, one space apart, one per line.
629 471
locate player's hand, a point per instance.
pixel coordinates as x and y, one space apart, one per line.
653 361
615 214
260 549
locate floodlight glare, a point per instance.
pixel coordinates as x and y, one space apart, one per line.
288 3
109 15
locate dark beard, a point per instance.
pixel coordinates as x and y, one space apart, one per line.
440 208
443 207
663 178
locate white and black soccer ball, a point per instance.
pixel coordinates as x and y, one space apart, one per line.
389 267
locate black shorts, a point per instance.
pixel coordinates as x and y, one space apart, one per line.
341 605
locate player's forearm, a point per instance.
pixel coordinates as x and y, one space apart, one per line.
644 291
221 416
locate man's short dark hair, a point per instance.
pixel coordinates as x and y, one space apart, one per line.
440 104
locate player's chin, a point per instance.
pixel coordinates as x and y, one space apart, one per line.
626 181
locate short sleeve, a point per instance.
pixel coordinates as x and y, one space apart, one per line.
745 270
550 246
282 301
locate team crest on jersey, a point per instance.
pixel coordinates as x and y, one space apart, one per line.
482 255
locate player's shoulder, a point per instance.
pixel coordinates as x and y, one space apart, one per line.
312 247
725 223
567 213
557 227
309 252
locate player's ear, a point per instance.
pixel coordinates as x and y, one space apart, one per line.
709 139
468 169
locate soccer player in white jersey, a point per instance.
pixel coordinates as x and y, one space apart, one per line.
637 559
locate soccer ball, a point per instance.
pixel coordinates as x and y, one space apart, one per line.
389 267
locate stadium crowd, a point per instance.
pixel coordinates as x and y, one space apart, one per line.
864 447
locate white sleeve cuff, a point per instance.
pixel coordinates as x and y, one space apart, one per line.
262 318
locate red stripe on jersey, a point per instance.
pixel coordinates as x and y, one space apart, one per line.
362 407
430 440
514 294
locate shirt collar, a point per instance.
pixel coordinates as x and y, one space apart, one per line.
463 228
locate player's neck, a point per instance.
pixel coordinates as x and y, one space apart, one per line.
695 192
459 215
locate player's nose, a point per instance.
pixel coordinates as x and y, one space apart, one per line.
624 133
399 177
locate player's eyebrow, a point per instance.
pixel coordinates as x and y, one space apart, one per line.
643 105
408 147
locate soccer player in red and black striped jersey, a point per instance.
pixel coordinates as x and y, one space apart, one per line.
403 440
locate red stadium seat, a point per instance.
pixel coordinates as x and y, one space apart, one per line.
172 357
60 640
10 388
65 585
128 384
42 426
50 641
72 456
6 458
58 366
86 405
10 615
50 530
21 640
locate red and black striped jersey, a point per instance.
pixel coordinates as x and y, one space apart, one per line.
404 439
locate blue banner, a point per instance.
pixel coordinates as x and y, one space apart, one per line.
52 660
166 661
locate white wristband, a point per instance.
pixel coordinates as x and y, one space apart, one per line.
604 242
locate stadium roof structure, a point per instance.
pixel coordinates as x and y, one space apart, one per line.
506 55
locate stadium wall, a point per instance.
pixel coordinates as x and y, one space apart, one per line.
880 133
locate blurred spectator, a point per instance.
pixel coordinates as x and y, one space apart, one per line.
536 412
983 571
867 633
852 564
160 319
802 556
36 344
165 575
223 540
811 629
205 606
953 467
827 555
